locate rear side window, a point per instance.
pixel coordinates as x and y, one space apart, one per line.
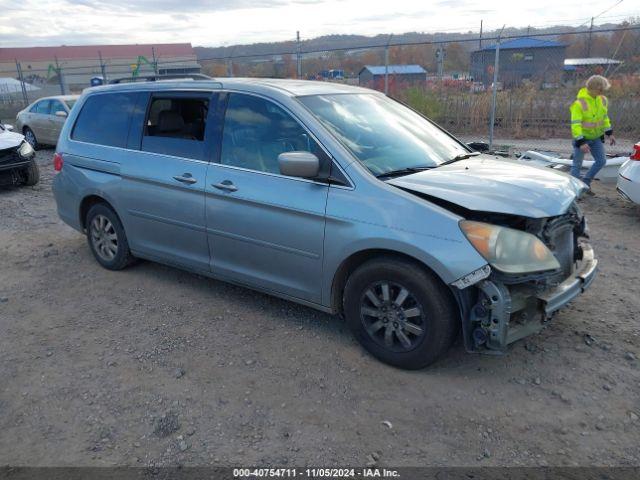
177 118
176 126
41 107
104 119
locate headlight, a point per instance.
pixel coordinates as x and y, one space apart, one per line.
25 150
509 250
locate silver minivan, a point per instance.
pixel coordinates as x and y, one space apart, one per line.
329 195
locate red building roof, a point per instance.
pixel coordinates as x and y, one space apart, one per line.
79 52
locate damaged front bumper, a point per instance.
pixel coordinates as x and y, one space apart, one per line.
501 313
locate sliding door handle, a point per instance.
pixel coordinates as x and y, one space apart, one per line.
227 185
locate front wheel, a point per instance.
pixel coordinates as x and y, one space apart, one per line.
107 239
400 312
31 174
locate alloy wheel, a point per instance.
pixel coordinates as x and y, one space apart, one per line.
392 316
103 237
30 137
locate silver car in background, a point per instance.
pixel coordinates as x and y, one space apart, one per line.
332 196
42 121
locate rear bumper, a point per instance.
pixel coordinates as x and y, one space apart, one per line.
628 190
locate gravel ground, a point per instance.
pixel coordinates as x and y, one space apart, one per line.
155 366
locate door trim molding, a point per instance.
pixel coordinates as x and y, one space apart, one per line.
169 221
262 243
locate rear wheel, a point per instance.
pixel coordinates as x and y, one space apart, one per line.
32 174
400 313
107 239
30 137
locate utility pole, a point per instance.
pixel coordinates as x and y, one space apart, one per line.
298 59
102 68
494 94
155 61
589 40
60 79
386 66
480 39
22 85
440 53
230 62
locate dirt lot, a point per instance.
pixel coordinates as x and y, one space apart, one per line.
156 366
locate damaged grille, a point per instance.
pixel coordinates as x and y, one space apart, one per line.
560 234
561 243
9 155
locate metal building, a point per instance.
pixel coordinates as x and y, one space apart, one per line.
520 59
372 76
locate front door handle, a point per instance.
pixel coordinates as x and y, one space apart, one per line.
226 185
185 178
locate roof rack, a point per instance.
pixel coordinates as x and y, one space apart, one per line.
156 78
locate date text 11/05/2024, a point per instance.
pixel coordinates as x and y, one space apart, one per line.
315 473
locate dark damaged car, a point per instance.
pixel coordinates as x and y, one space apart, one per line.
332 196
17 159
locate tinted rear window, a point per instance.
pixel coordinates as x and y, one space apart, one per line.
104 119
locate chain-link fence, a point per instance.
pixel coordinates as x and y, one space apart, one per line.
510 91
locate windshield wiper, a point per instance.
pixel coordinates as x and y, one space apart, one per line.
462 156
403 171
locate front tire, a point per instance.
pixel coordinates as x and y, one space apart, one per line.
32 174
107 239
401 313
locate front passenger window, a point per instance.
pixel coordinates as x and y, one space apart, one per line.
256 131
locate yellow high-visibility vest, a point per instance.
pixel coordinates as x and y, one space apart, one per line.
589 116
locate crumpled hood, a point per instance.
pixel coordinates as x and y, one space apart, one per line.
500 186
9 139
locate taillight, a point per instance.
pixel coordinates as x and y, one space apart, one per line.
58 162
636 152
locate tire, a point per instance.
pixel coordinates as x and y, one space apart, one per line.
30 137
32 174
426 316
107 239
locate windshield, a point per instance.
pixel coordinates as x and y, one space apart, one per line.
383 134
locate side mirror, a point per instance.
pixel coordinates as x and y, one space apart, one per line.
299 164
61 113
8 127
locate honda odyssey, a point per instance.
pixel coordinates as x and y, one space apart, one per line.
329 195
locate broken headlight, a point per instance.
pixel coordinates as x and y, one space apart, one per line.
25 150
509 250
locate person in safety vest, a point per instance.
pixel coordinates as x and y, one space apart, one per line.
589 125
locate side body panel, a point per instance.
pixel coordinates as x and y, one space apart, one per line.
269 232
266 230
379 216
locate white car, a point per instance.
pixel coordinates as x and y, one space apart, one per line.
629 177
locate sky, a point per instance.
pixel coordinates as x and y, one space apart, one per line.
227 22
